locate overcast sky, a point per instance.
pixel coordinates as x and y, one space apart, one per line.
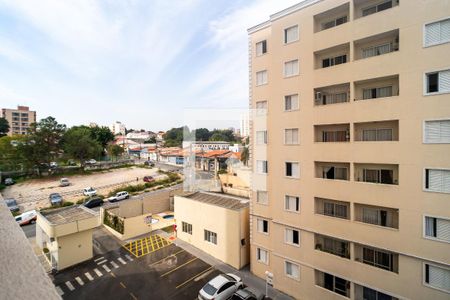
137 61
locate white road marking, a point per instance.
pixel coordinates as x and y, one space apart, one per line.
128 257
122 261
80 282
59 290
88 276
114 264
101 262
106 268
99 274
69 285
99 258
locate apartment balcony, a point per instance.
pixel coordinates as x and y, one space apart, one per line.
332 245
332 18
333 56
332 170
377 215
332 208
332 94
376 88
332 133
378 131
366 8
376 258
376 45
376 173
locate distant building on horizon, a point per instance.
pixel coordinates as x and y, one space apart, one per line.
118 128
19 119
244 130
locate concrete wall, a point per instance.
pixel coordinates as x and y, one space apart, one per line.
74 248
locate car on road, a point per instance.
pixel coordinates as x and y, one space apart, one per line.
94 202
221 287
9 181
149 163
119 196
28 217
12 205
90 162
55 199
149 179
247 294
64 182
89 191
53 165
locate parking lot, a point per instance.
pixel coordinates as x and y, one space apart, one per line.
168 272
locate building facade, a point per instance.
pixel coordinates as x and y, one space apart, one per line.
118 128
19 119
350 138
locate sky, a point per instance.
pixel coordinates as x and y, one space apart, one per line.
141 62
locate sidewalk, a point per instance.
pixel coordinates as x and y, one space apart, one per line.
247 277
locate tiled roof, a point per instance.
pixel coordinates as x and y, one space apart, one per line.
225 201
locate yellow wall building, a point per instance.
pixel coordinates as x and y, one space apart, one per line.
215 223
350 149
19 119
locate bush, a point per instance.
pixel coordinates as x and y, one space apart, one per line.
45 250
67 203
2 186
81 201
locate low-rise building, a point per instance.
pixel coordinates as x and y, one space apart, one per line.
218 224
19 119
65 235
206 145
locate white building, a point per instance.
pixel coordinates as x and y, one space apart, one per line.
118 128
245 127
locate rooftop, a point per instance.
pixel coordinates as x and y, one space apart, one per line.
67 215
225 201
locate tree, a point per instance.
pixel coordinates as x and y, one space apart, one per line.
151 140
79 144
202 134
102 135
10 157
245 156
115 150
225 135
4 127
175 136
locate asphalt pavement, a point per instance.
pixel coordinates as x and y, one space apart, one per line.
30 230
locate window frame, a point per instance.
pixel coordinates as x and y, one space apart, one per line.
425 81
262 42
291 229
264 82
285 169
267 196
265 166
424 45
186 225
297 204
425 189
285 42
262 229
298 136
424 228
294 74
424 275
290 99
208 233
258 250
424 130
286 262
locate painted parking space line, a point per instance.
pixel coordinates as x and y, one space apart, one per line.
101 262
180 266
113 263
146 245
123 285
106 268
122 261
70 285
171 255
133 296
60 291
193 277
129 257
99 258
88 276
99 274
80 282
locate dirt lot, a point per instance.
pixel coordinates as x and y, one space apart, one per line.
34 193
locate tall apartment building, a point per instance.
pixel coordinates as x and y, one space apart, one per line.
19 119
351 149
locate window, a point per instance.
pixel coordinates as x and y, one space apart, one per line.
262 197
334 209
292 169
376 8
261 48
325 98
437 33
437 132
262 225
334 23
291 34
211 237
377 134
261 137
328 62
375 216
262 255
335 173
291 136
291 68
437 277
261 77
378 258
381 92
370 294
292 270
186 227
378 176
291 102
335 136
335 284
261 107
292 203
377 50
438 82
437 180
333 246
437 228
261 166
292 236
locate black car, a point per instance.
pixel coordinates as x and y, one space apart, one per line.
93 203
149 163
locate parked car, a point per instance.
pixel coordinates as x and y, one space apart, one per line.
28 217
90 162
53 165
119 196
148 179
12 205
89 191
71 162
149 163
247 294
55 199
9 181
94 202
221 287
64 182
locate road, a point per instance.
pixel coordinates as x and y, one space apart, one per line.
30 230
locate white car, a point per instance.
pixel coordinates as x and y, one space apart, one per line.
221 287
28 217
90 162
119 196
89 192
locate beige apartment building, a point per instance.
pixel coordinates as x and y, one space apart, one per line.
19 119
351 149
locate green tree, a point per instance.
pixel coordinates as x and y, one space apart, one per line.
10 157
115 151
151 140
79 144
4 127
245 156
225 135
202 134
175 136
102 135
